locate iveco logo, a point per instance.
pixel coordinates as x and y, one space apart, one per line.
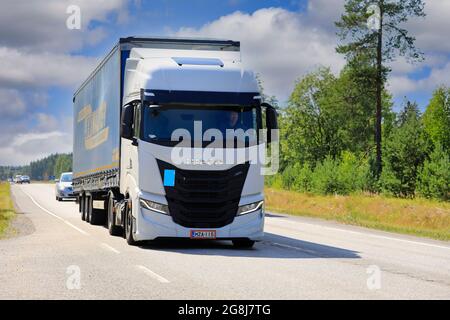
209 162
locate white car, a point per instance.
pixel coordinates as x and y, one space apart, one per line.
18 179
63 187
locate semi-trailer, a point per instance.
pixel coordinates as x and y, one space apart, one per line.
149 100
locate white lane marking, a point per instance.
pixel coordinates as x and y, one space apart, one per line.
373 235
108 247
56 216
75 227
152 274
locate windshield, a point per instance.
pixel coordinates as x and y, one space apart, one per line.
160 122
66 178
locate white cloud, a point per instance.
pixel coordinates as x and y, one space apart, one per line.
27 138
283 45
432 32
276 43
36 53
324 13
39 98
36 45
12 106
32 146
403 85
438 77
46 122
431 35
41 24
42 69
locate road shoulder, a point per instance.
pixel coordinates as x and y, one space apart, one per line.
20 225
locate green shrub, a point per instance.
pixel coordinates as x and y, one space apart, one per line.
403 154
434 177
288 177
352 173
274 181
343 176
325 177
302 180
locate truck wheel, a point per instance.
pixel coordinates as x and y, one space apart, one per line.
88 208
129 226
83 207
243 243
112 228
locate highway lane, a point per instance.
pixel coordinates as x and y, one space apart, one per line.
299 258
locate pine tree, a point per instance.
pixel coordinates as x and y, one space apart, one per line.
379 44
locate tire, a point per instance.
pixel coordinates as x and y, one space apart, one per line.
243 243
129 226
88 208
83 207
112 228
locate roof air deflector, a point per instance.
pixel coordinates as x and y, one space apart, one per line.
198 61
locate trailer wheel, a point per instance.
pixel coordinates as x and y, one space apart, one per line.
129 225
112 228
88 208
83 207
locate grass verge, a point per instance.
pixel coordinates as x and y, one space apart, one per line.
6 207
419 217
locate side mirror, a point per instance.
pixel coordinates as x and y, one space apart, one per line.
56 180
126 123
271 122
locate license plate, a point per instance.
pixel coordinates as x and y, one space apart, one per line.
203 234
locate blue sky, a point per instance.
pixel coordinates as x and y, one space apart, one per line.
43 62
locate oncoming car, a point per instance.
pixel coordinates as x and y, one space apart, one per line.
63 187
24 179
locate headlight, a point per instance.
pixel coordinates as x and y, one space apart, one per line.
248 208
158 207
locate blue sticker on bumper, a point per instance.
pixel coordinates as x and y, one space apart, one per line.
169 178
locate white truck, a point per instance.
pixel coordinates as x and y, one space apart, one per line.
150 100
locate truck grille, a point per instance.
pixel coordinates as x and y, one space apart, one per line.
204 199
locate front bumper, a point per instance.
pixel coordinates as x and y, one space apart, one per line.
151 225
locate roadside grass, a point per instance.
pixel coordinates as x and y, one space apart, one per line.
6 207
419 217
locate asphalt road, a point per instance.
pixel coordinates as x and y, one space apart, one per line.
58 256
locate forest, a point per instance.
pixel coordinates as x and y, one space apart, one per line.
47 168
